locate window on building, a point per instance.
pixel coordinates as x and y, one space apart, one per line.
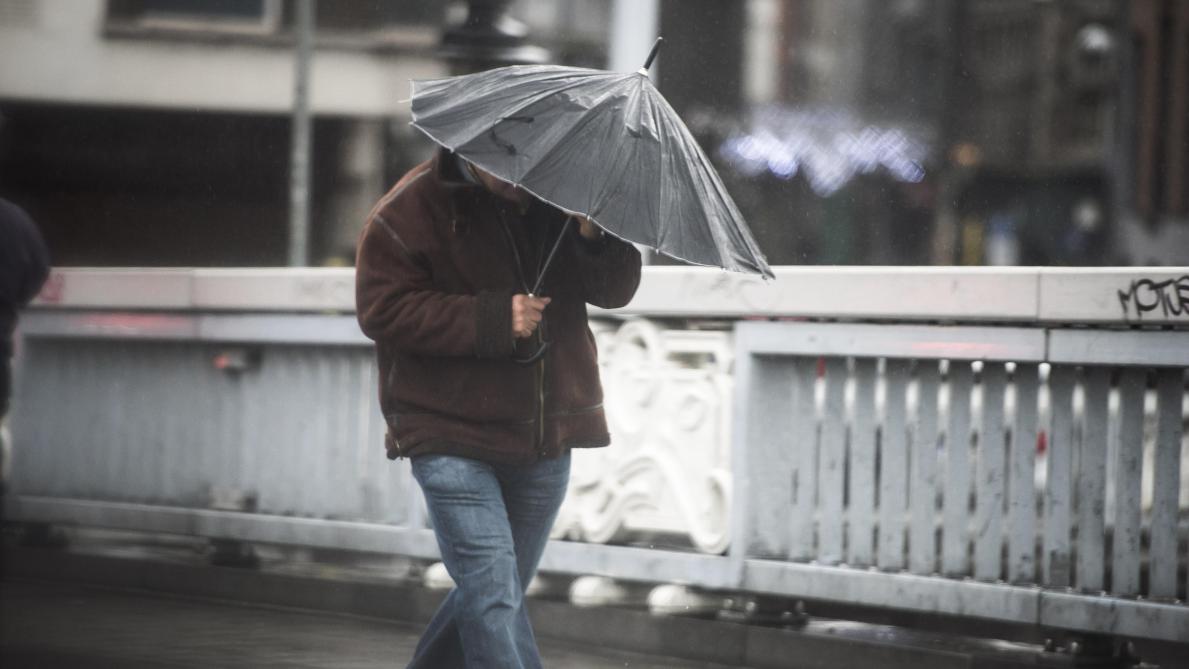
380 23
375 15
240 15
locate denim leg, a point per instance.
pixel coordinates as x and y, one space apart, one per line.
440 646
532 495
471 524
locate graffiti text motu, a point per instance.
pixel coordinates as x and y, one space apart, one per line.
1145 297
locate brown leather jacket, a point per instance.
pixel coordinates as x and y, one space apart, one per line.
438 263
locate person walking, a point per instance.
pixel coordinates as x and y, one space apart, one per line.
486 384
24 266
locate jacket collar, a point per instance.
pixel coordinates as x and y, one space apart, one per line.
448 168
463 196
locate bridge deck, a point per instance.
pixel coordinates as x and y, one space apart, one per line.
59 624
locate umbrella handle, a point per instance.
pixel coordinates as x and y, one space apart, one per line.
533 357
539 353
656 46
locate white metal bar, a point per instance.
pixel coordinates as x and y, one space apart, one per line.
263 528
93 288
1156 348
918 293
763 458
1021 549
861 510
1058 494
993 601
991 479
1114 616
932 342
895 590
1030 606
810 339
893 469
956 499
1091 481
831 457
274 289
639 564
283 329
230 328
933 293
1163 564
1052 295
110 325
923 491
1125 557
803 442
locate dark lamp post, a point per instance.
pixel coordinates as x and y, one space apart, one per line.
488 38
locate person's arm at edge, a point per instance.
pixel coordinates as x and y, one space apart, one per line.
38 268
610 267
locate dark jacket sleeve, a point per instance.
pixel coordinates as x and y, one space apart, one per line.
610 270
398 304
24 260
37 269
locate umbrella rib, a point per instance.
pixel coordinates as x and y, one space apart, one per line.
516 109
697 181
580 125
676 130
641 108
622 168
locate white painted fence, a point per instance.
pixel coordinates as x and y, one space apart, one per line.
861 435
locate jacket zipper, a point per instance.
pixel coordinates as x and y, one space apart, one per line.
541 406
539 438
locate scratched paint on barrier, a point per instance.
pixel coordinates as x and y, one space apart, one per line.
1168 298
52 291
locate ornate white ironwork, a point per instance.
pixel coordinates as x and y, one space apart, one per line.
668 404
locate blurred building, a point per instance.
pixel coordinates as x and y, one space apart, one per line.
1154 171
1033 147
1069 141
947 131
157 132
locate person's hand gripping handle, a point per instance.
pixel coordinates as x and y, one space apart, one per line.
527 312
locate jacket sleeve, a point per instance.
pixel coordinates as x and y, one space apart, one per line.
37 269
398 304
24 259
610 270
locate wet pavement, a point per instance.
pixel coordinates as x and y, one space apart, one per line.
67 625
113 600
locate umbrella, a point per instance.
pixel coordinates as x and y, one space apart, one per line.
605 145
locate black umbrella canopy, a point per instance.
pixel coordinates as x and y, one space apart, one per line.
601 144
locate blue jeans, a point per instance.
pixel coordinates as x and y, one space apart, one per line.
492 522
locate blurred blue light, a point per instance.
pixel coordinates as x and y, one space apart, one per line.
828 146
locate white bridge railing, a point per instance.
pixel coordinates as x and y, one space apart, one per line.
1002 444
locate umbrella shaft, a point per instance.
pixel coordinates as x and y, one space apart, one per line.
552 252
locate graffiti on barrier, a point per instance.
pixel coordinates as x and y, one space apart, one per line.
1168 298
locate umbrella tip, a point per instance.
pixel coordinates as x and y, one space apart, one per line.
656 46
